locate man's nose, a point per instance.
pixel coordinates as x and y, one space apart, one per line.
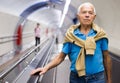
87 15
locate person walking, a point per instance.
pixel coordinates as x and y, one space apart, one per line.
37 34
86 45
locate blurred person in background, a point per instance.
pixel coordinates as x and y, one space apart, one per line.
37 34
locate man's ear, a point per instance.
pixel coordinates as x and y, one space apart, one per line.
94 17
77 15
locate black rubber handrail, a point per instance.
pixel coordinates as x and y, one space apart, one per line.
45 60
115 57
33 64
5 73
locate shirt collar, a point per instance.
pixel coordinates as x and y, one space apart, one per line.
77 31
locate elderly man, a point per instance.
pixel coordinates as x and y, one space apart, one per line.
86 45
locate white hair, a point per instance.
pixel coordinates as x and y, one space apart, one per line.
86 3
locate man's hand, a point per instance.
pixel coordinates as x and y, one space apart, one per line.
38 71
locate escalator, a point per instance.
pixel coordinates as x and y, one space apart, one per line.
19 72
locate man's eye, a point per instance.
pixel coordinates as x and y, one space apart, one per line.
83 12
90 12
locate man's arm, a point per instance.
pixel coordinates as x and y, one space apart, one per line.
107 65
56 61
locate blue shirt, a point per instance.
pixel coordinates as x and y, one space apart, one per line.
93 64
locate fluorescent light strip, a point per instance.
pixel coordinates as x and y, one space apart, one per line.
64 12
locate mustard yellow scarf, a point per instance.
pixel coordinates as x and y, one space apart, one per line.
89 45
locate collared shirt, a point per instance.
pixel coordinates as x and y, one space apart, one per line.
93 64
37 32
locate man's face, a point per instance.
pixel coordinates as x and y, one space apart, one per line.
86 15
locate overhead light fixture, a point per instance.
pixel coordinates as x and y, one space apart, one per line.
65 10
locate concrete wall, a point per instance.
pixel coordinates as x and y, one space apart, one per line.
108 16
7 27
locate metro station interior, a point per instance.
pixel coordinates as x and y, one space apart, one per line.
18 53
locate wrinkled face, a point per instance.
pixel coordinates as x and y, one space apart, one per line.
86 15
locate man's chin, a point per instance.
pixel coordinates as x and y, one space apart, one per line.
88 24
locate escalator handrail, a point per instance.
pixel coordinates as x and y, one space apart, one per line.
47 59
115 57
5 73
38 78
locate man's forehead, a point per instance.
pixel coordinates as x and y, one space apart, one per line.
87 7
